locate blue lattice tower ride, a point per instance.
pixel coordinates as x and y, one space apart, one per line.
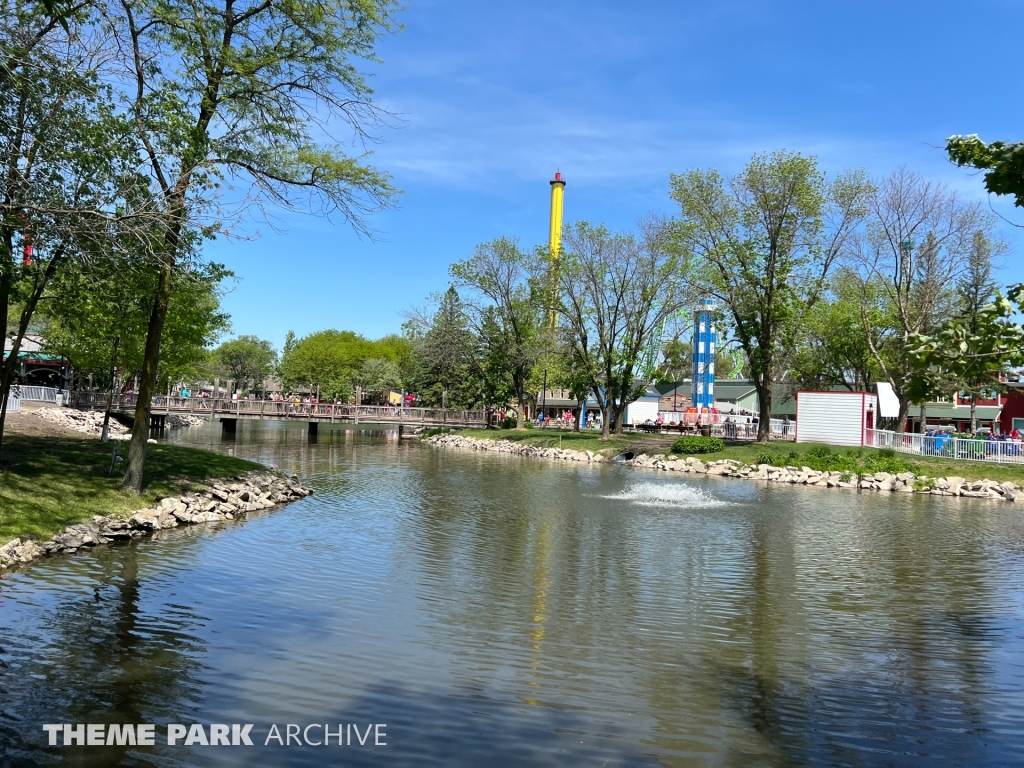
703 395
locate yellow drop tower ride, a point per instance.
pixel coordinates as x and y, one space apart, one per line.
555 241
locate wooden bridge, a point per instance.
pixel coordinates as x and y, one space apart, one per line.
313 414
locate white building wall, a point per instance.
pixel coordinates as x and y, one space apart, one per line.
836 418
641 410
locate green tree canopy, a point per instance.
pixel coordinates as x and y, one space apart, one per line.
326 361
1003 163
767 240
248 360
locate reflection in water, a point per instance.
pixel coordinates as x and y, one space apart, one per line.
493 608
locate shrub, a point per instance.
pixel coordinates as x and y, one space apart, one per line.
767 457
687 445
528 424
820 451
792 456
509 422
436 431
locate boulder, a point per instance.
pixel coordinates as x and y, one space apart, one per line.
16 552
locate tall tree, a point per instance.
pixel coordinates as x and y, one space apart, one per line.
448 367
507 310
98 313
248 359
615 292
67 186
767 240
914 249
326 362
249 95
972 349
832 346
377 374
976 292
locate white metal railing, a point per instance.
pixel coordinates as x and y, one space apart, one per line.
947 446
39 394
13 404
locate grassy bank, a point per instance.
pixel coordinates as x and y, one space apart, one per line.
748 453
47 483
575 441
796 454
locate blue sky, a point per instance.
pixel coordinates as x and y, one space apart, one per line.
495 96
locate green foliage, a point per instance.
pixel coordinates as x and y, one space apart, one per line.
247 359
971 348
822 458
377 374
100 314
509 422
767 239
615 292
437 431
327 360
507 311
446 356
677 362
1003 163
692 445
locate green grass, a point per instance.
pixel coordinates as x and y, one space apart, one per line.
748 453
589 440
47 483
920 465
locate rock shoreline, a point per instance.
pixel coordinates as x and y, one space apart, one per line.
451 440
221 500
91 422
904 482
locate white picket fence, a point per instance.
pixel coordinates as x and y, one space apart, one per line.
13 404
947 446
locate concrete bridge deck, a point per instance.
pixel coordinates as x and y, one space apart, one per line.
230 411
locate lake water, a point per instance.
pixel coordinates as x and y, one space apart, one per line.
503 611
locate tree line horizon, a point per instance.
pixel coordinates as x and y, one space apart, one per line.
135 131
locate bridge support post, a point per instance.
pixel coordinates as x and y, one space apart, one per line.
228 426
313 428
157 421
401 430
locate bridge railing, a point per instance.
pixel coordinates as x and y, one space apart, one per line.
282 409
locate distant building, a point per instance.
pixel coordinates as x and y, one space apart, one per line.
37 368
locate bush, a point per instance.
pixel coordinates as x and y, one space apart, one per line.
685 445
528 424
820 451
509 422
436 431
767 457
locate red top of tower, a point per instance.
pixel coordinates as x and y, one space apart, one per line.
558 178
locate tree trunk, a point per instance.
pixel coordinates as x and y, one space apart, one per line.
147 381
605 433
110 395
7 369
521 409
901 422
924 418
764 411
974 414
582 414
620 417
